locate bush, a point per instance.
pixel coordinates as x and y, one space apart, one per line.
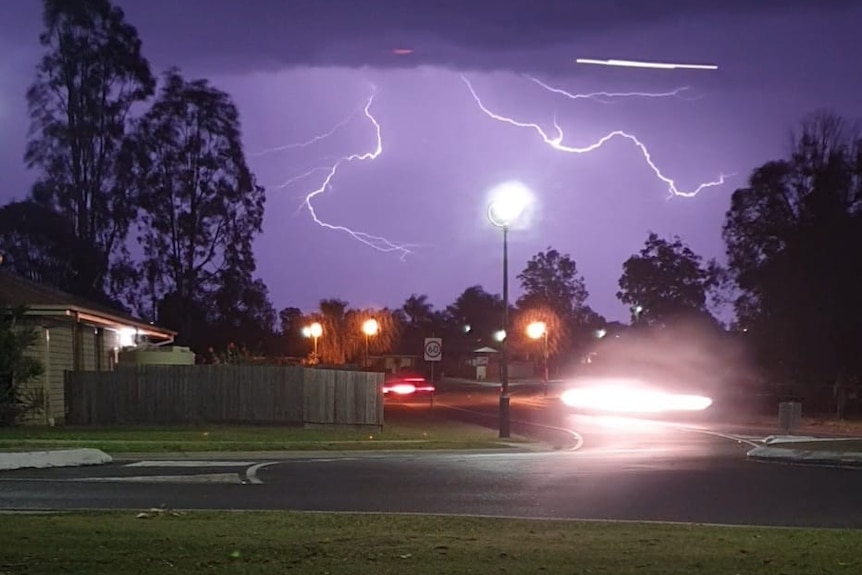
16 367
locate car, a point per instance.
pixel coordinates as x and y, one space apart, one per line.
406 385
623 396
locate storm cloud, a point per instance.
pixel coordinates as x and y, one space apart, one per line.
229 35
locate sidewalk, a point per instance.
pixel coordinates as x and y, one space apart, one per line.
10 460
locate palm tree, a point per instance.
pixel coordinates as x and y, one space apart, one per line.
387 336
343 340
332 347
418 310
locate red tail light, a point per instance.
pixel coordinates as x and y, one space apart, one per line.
406 387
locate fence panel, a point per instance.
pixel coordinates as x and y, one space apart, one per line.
150 394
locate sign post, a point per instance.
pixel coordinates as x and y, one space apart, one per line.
433 354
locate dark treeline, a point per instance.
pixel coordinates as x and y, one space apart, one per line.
144 201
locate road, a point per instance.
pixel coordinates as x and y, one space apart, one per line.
637 471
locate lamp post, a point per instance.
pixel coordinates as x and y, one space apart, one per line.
314 331
537 330
510 201
369 327
637 310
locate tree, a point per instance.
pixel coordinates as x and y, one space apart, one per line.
244 315
667 281
418 310
386 338
551 280
419 321
90 77
343 340
554 291
39 244
794 246
200 205
16 367
474 317
291 322
332 347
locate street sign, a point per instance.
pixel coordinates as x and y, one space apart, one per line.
433 348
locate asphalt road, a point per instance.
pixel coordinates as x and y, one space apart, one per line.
624 470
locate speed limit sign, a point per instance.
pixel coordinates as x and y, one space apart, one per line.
433 348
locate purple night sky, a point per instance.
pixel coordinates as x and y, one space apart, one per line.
297 68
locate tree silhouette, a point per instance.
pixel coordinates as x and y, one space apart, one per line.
555 291
474 317
87 82
343 340
794 246
200 205
667 281
551 280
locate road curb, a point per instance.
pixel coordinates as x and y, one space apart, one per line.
309 454
772 454
573 437
814 462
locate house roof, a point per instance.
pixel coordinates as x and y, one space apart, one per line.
45 300
485 350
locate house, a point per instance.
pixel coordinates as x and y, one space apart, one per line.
484 363
74 335
393 363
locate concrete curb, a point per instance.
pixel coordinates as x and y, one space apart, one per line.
316 454
574 439
814 462
799 457
53 458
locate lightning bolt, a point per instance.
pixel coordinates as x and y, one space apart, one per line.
376 242
599 96
556 142
300 177
310 141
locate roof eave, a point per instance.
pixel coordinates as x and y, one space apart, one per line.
111 320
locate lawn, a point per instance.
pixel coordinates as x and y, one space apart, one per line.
283 542
415 429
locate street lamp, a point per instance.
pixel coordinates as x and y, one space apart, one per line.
538 330
369 327
510 201
314 331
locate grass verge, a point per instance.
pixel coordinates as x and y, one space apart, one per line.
414 430
280 542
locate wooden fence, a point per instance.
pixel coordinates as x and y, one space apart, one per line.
148 394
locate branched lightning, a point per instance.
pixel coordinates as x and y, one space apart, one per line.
600 96
310 141
556 142
376 242
290 181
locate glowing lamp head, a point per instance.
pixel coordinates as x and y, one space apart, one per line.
127 336
509 203
315 330
536 330
500 335
370 327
